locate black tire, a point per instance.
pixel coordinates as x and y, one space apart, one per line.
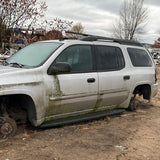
132 105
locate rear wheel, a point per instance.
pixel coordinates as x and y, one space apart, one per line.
133 104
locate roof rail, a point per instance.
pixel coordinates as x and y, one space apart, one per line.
120 41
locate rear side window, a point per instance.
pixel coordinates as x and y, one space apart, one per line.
139 57
109 58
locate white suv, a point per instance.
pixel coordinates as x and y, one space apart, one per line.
58 82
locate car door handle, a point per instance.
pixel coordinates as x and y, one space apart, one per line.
127 77
91 80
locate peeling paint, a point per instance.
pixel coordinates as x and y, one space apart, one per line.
57 92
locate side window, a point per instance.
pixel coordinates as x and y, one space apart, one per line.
139 57
110 58
79 57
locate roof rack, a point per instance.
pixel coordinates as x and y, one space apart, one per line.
120 41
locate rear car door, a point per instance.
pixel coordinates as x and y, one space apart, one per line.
114 78
74 92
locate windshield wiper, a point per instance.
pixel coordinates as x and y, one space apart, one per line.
17 64
5 63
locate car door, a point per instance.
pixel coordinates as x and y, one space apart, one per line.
75 92
114 78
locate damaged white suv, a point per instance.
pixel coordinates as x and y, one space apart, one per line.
56 82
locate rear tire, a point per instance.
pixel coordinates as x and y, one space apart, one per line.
132 105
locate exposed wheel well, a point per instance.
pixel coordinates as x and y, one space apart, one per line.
144 90
21 101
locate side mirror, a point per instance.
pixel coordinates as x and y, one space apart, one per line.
60 67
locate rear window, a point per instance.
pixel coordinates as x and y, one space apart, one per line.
139 57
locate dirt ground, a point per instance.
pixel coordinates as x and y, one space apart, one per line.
129 136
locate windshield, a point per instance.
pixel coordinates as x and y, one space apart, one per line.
34 54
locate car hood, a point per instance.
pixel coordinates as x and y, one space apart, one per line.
7 69
12 75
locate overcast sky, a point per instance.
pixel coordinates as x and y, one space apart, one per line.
99 16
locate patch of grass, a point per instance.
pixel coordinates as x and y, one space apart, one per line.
3 145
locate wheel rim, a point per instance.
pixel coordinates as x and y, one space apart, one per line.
9 127
6 129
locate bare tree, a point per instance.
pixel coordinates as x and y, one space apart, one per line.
58 24
20 13
133 15
3 31
78 28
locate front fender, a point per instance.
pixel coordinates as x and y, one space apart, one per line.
35 92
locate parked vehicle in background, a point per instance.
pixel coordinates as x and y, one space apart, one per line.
58 82
156 61
156 57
